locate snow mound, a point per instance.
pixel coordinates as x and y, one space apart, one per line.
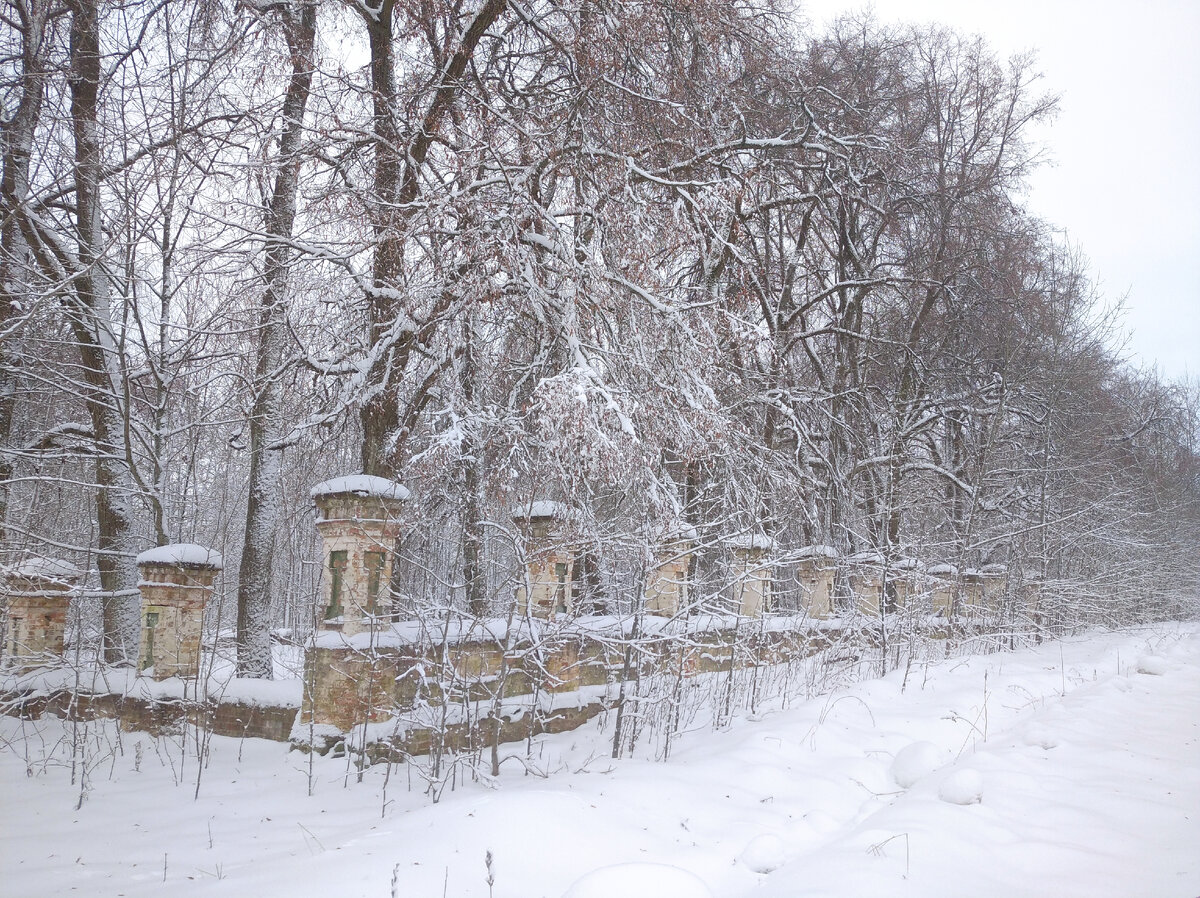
816 552
1039 737
754 542
1155 665
962 787
183 554
764 853
915 762
38 568
360 485
542 508
638 881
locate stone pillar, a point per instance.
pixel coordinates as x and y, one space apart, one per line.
815 570
994 579
972 592
39 591
753 573
904 581
667 583
549 560
941 583
866 582
358 518
175 583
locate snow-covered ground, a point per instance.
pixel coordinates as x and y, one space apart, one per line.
1068 769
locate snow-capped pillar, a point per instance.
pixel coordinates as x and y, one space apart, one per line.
753 573
816 569
866 582
667 583
176 583
358 518
39 593
984 589
549 561
905 582
942 584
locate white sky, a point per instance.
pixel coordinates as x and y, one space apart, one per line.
1125 180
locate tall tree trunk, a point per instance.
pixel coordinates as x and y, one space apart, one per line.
263 504
379 414
90 314
472 516
398 167
16 136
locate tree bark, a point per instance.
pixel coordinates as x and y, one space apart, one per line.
263 503
17 140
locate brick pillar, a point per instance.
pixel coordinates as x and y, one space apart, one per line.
667 583
816 570
753 573
993 586
942 580
905 581
175 583
549 560
38 592
866 582
358 518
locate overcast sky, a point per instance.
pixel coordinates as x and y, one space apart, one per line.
1125 180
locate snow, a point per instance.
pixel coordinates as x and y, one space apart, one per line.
183 554
765 853
865 558
962 787
639 881
1089 774
752 541
37 568
1152 664
542 508
817 552
915 762
942 570
361 485
261 693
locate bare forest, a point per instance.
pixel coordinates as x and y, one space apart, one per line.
681 266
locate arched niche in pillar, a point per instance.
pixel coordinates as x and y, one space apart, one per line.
359 520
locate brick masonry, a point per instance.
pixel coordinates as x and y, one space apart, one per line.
35 619
173 601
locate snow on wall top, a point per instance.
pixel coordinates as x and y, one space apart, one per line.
867 557
361 485
817 552
942 570
37 568
752 541
182 554
543 508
